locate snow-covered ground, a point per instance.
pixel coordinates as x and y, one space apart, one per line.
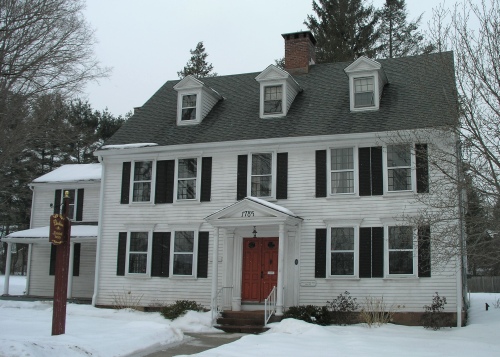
25 330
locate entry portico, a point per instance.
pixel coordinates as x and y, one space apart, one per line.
255 218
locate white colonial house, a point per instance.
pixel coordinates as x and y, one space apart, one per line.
226 189
83 183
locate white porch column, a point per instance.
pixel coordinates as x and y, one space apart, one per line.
215 268
70 270
28 269
237 266
281 258
7 269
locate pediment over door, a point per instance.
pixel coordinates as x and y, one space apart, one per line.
252 211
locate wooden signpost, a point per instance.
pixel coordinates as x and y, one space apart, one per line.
59 235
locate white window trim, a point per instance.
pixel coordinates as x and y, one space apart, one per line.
195 254
149 253
198 179
273 173
274 83
180 95
386 254
376 93
345 224
153 183
413 170
355 169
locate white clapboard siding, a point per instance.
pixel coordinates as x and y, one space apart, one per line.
410 293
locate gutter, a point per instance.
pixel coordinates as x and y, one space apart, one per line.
99 234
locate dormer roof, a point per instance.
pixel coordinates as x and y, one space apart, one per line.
365 64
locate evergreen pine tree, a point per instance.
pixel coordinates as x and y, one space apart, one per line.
344 30
398 37
197 64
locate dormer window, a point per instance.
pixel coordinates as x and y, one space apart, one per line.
364 92
273 100
278 89
366 83
194 100
188 107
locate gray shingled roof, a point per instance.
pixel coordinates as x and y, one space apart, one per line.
421 93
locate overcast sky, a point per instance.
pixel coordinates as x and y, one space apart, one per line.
147 42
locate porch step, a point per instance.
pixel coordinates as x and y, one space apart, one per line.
243 321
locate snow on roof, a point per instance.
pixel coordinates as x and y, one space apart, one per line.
271 205
128 146
43 232
72 173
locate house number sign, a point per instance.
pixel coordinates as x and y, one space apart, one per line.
248 214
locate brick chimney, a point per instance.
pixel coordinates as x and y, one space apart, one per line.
300 51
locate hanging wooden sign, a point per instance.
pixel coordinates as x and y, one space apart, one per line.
59 228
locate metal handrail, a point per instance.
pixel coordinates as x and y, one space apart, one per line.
270 306
216 304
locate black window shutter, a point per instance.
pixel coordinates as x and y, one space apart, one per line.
422 163
282 175
79 205
122 251
161 254
377 171
377 252
321 173
206 179
365 252
424 251
57 202
52 266
161 179
241 180
364 159
320 254
170 180
76 259
203 255
125 194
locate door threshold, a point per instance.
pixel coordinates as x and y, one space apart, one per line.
252 306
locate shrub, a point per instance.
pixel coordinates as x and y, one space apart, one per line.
496 304
310 313
376 311
179 308
433 316
342 309
126 300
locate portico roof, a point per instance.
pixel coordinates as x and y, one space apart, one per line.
252 211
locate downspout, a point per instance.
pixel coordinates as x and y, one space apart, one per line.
460 260
99 234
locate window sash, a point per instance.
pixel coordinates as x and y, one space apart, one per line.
399 172
342 170
188 107
401 250
342 248
138 252
364 90
187 174
183 253
273 100
142 181
261 175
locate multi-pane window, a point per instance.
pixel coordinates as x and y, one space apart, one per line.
398 167
273 100
71 203
401 250
143 174
183 253
364 92
342 251
342 170
262 176
186 179
188 107
138 253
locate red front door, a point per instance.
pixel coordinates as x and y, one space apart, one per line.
260 268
